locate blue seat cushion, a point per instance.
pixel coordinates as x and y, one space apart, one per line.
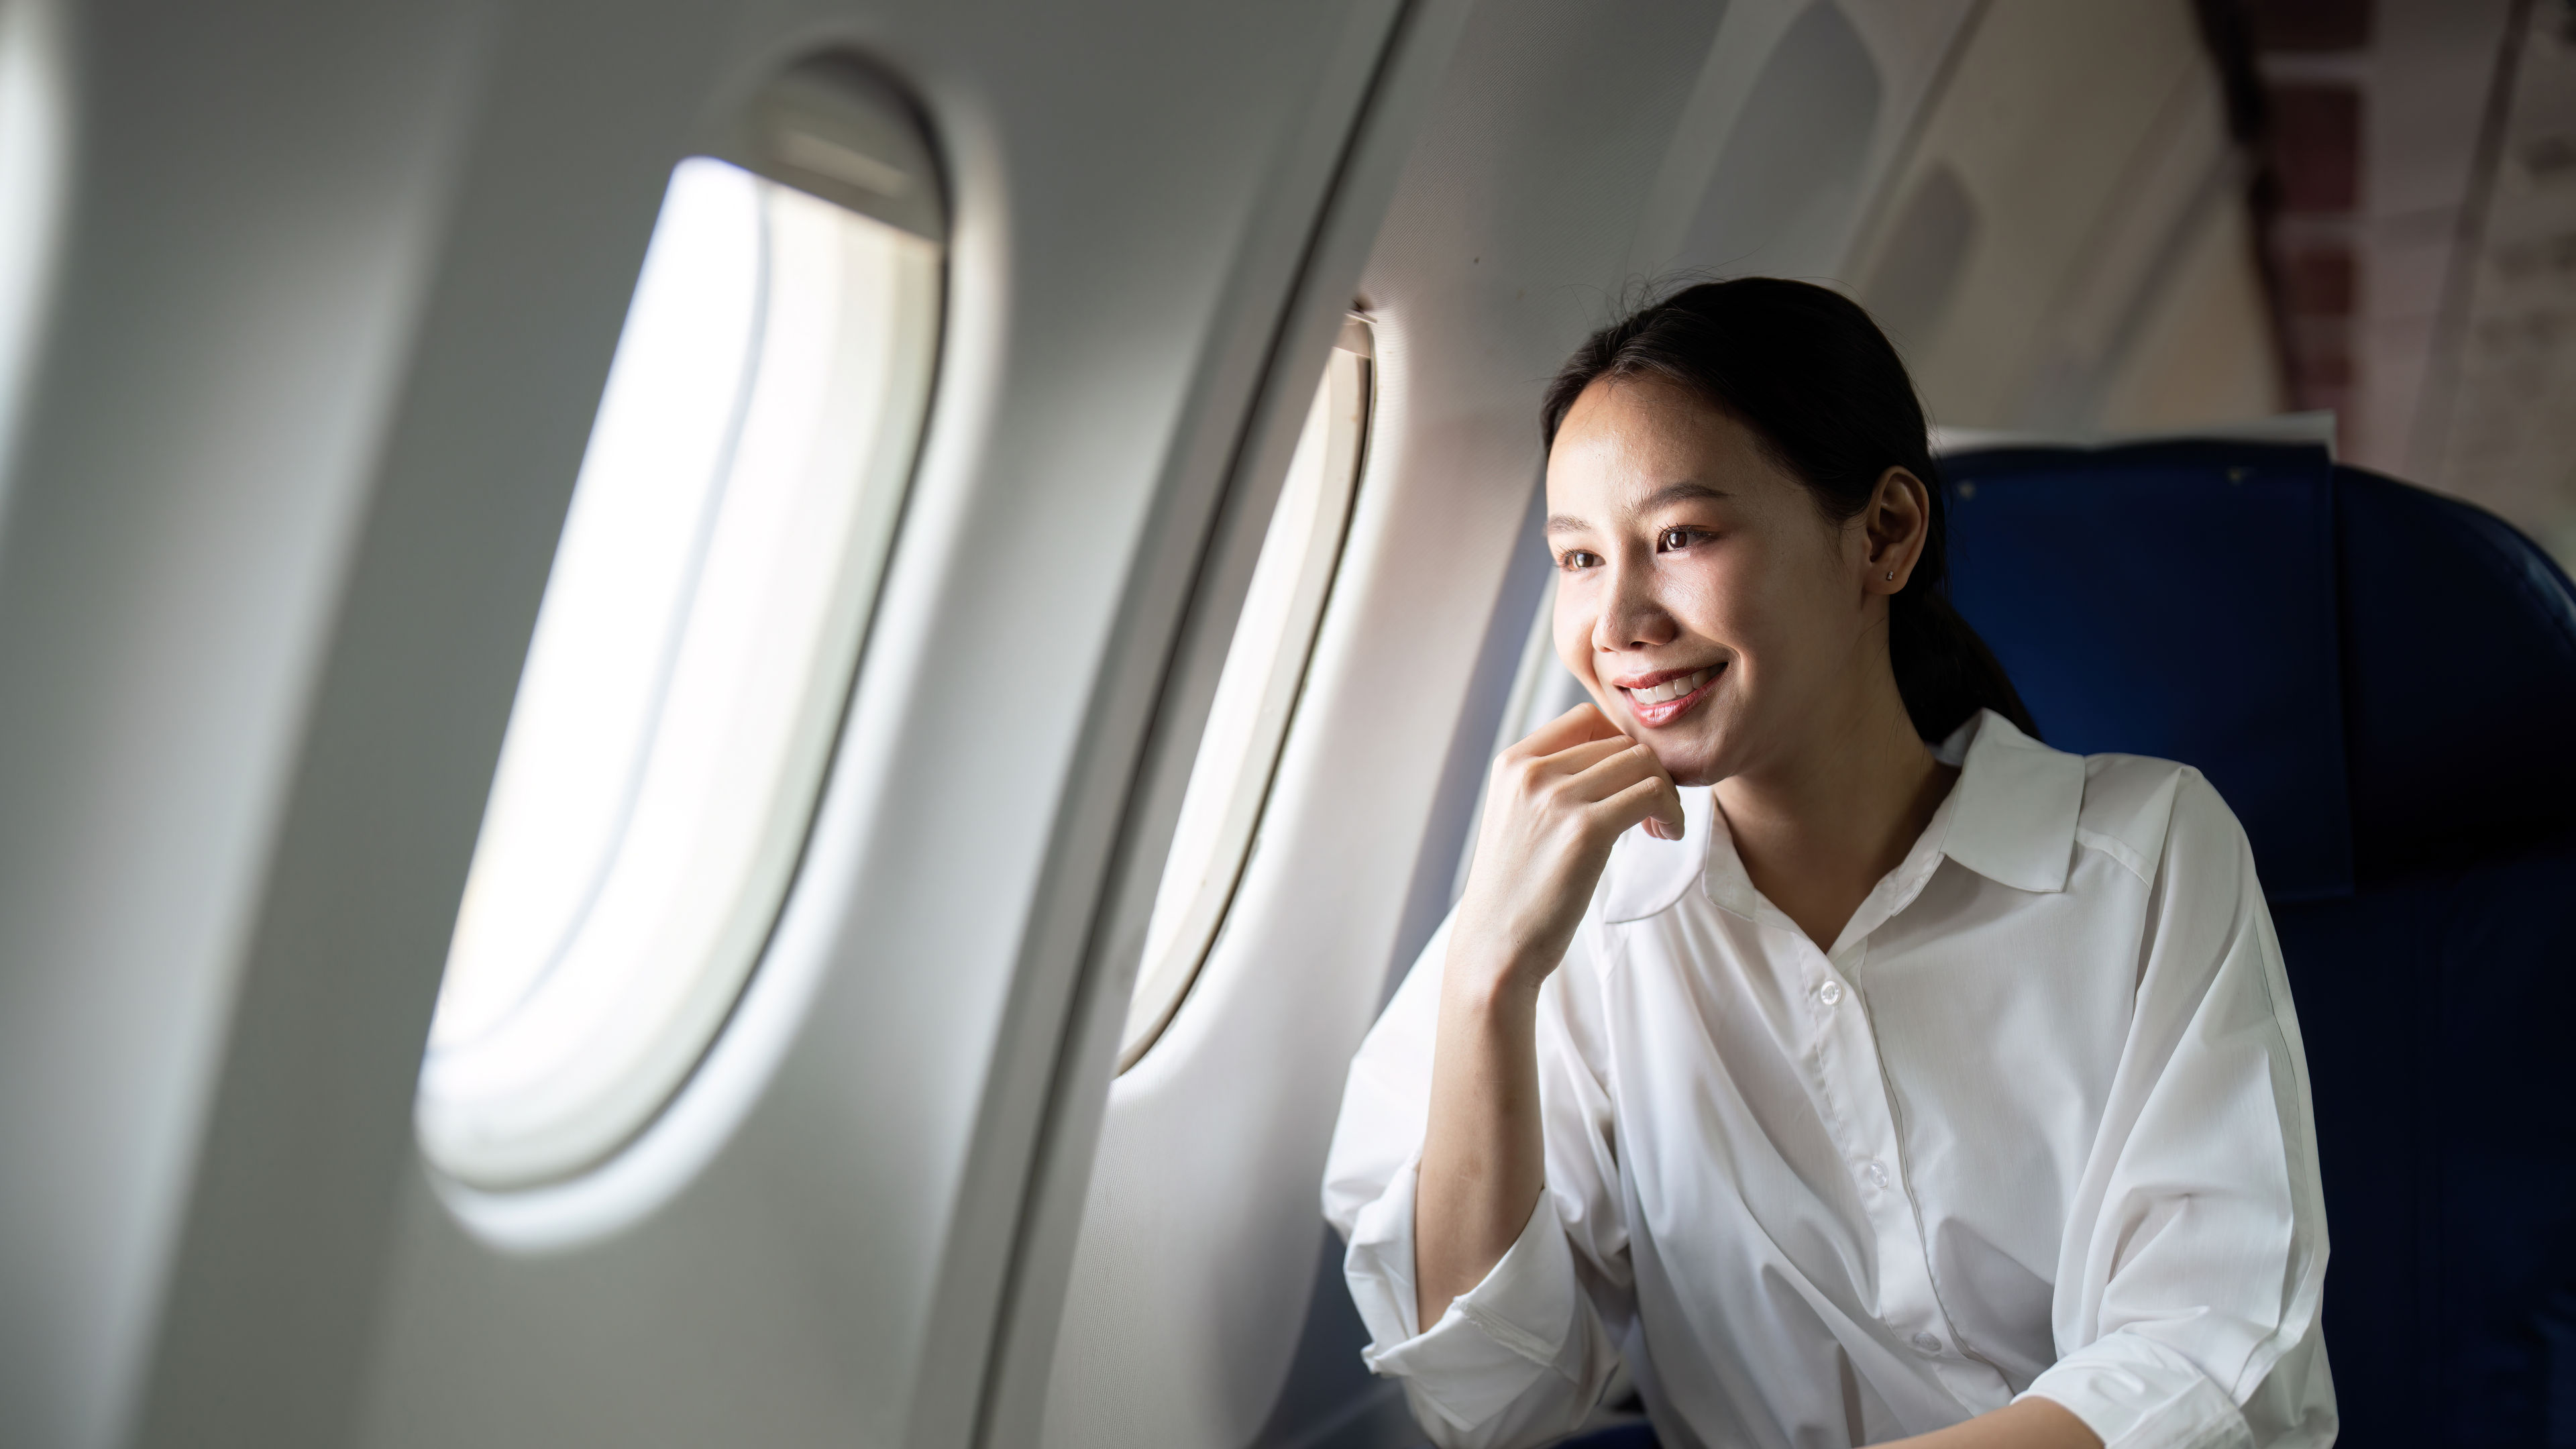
2436 1012
2459 658
2175 600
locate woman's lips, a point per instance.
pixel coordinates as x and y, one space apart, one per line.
1671 697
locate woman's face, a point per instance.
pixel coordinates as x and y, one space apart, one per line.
1712 610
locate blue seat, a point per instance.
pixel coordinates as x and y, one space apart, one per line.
2382 683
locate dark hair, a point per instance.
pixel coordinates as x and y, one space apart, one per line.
1812 376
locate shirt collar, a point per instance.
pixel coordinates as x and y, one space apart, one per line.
2017 802
2010 818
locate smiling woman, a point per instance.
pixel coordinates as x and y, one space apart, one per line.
1833 447
1848 1086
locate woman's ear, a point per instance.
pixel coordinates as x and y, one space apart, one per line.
1894 525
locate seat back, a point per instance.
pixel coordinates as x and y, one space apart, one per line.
2382 683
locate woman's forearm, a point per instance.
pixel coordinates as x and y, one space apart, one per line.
1483 1153
1554 804
2032 1423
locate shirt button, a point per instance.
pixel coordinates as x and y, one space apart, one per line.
1927 1343
1876 1172
1830 993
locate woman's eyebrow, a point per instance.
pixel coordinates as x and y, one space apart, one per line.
1684 492
1664 497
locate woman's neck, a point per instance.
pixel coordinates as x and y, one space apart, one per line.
1817 828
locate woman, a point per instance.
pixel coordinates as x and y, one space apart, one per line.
1858 1066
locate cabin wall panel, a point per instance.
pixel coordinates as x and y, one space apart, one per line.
254 194
1133 188
2089 145
2206 350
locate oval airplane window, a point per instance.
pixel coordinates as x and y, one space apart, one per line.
697 640
35 137
1256 692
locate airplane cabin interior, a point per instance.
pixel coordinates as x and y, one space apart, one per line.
721 716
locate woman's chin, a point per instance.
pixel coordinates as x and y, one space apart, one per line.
1688 761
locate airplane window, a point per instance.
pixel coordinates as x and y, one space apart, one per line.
34 145
1255 694
698 637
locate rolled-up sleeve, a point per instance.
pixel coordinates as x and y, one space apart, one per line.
1521 1358
2186 1310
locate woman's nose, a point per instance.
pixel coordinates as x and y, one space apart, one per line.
1632 617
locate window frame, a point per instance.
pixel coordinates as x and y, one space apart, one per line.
825 131
1346 394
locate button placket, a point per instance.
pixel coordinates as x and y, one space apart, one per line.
1848 1052
1820 992
1853 1048
1835 969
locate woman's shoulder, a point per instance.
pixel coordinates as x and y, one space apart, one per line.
2140 809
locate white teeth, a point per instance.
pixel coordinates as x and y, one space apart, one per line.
1670 688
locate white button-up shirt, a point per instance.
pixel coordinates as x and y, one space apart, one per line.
2037 1123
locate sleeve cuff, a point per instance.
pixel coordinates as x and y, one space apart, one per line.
1495 1341
2136 1393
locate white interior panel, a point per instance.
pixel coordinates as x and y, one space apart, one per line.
342 288
252 207
2088 143
837 1259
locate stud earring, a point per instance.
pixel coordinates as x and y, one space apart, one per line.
1891 578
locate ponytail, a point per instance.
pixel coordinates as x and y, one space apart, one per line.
1817 383
1944 672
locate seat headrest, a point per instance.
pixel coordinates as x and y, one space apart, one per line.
2377 678
2459 660
2176 600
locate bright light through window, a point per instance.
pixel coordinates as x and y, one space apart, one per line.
685 682
1255 694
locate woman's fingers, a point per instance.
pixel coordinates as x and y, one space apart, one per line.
1577 759
1595 770
1576 777
1583 724
1619 775
1613 770
1555 803
1653 801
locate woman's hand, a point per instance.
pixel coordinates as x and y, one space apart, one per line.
1554 805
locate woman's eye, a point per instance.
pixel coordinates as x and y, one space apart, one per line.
1672 538
1575 558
